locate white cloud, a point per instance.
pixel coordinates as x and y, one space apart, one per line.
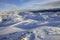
37 5
32 5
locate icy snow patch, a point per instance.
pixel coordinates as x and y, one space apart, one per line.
0 19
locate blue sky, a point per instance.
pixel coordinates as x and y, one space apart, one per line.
29 4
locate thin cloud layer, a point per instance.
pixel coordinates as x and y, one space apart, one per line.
55 4
29 4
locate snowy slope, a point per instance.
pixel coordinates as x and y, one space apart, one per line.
46 32
40 33
34 26
9 30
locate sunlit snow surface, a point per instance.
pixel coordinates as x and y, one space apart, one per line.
17 25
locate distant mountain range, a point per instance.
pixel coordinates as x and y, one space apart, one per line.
47 10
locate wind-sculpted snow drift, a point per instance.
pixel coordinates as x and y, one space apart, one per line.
15 25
